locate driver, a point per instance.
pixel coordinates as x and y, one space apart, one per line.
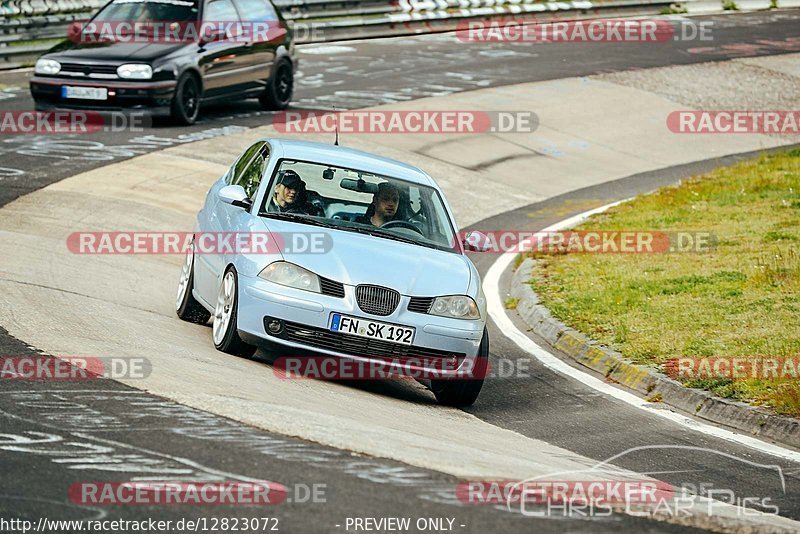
384 206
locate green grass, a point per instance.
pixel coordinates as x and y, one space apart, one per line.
740 299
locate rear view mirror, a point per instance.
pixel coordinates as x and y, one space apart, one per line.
327 174
358 185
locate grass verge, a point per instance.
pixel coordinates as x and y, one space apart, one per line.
740 299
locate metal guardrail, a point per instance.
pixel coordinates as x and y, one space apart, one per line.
30 27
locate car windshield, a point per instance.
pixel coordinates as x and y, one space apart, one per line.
357 201
148 11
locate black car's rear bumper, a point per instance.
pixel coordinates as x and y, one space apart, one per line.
153 97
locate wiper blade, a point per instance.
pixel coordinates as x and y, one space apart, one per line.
294 217
387 235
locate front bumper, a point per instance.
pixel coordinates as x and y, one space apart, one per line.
441 347
154 97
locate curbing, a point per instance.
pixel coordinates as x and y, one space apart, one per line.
616 368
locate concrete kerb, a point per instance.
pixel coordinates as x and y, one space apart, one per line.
653 385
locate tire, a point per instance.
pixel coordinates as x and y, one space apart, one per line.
279 90
225 328
460 393
185 106
186 306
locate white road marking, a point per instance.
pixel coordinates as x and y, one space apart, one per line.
497 312
326 49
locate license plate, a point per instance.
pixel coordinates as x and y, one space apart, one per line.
84 93
355 326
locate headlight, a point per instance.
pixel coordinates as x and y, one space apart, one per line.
289 274
134 71
457 306
47 66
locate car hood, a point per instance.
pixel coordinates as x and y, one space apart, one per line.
355 259
113 52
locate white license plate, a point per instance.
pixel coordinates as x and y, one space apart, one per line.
84 93
355 326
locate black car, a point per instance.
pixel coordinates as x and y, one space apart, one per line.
168 57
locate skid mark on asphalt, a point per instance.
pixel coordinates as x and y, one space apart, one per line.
67 415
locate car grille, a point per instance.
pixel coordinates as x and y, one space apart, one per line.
361 346
331 287
377 300
420 304
92 71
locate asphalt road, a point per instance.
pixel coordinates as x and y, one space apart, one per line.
134 435
358 74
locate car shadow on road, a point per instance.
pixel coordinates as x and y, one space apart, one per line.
405 389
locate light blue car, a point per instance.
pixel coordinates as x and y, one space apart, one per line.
362 261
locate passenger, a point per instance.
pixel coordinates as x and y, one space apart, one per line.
289 196
383 209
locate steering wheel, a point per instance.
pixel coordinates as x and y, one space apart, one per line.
401 224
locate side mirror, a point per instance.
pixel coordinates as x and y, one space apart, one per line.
235 196
211 35
476 242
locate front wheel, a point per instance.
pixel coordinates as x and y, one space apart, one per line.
278 94
186 103
460 392
225 330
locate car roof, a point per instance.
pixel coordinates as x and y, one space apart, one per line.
349 158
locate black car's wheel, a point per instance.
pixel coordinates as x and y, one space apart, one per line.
460 392
186 305
279 90
186 102
225 329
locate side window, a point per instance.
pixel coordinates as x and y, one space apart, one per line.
234 175
220 11
252 174
257 10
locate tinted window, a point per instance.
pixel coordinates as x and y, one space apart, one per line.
221 11
257 10
149 10
249 169
251 177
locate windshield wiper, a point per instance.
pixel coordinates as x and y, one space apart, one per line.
294 217
387 235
